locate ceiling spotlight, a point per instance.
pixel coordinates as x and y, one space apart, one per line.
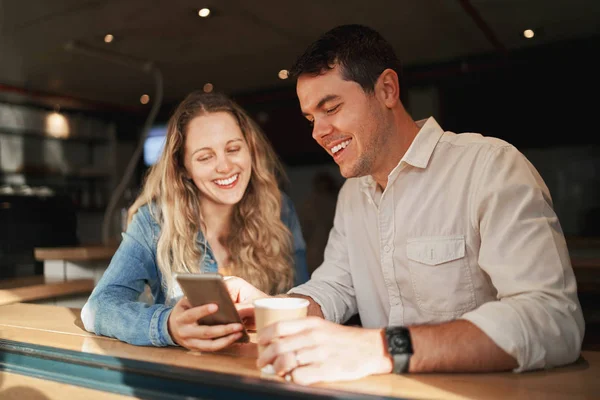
283 74
108 38
144 99
204 12
528 33
208 87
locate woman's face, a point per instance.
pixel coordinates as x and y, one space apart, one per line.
217 158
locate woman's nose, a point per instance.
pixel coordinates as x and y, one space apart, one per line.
223 164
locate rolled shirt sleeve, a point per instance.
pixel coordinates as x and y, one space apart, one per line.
331 284
537 318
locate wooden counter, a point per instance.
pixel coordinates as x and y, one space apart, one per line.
61 328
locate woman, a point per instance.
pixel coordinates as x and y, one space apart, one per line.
210 204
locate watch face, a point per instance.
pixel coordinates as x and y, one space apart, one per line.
399 344
398 339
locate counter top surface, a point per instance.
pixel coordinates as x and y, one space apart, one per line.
31 323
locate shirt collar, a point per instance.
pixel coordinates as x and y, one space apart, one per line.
420 151
422 147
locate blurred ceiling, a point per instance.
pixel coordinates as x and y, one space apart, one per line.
243 45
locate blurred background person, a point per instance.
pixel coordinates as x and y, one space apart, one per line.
316 216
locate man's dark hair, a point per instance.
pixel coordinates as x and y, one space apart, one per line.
361 52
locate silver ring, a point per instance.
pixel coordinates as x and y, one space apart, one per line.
297 359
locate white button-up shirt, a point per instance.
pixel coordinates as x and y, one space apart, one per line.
464 229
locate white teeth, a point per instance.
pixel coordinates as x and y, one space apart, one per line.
228 181
340 146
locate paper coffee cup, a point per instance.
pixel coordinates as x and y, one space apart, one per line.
269 310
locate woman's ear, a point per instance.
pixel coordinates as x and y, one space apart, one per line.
387 88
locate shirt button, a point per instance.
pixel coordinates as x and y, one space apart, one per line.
386 248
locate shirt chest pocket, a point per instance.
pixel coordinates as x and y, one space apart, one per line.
440 275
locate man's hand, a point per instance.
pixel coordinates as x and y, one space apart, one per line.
242 293
186 332
313 350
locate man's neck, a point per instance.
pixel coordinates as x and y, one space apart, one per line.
405 131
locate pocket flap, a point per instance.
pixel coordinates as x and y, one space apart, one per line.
434 250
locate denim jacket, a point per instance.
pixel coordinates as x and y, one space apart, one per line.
114 308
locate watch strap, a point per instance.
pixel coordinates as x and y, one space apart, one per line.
401 362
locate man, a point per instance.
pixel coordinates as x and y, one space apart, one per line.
446 245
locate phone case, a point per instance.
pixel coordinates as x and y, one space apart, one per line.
203 289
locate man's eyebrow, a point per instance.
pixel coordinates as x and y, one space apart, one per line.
324 100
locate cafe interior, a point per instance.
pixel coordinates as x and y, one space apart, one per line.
87 88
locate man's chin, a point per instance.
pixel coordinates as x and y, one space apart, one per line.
347 172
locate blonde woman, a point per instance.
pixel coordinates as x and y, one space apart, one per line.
210 204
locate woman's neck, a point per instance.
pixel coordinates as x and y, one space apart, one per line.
217 219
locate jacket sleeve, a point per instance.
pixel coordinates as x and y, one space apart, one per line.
537 318
289 217
113 308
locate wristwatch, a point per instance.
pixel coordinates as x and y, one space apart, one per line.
399 346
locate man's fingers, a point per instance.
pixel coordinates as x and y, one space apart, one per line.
309 374
290 344
285 363
287 328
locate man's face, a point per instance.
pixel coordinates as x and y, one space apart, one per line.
347 122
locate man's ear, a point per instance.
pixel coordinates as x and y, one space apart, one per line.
387 88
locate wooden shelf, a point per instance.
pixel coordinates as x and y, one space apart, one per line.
79 253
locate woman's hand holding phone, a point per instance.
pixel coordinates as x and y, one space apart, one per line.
186 332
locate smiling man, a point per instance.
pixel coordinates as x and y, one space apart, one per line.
445 244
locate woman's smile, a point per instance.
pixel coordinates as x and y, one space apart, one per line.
227 183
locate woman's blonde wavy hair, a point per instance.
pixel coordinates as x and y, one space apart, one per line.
260 245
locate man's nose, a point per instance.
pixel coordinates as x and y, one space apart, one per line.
321 128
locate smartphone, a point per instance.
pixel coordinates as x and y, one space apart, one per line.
203 289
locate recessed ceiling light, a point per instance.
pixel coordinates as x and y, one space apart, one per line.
204 12
57 125
528 33
144 99
283 74
108 38
208 87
